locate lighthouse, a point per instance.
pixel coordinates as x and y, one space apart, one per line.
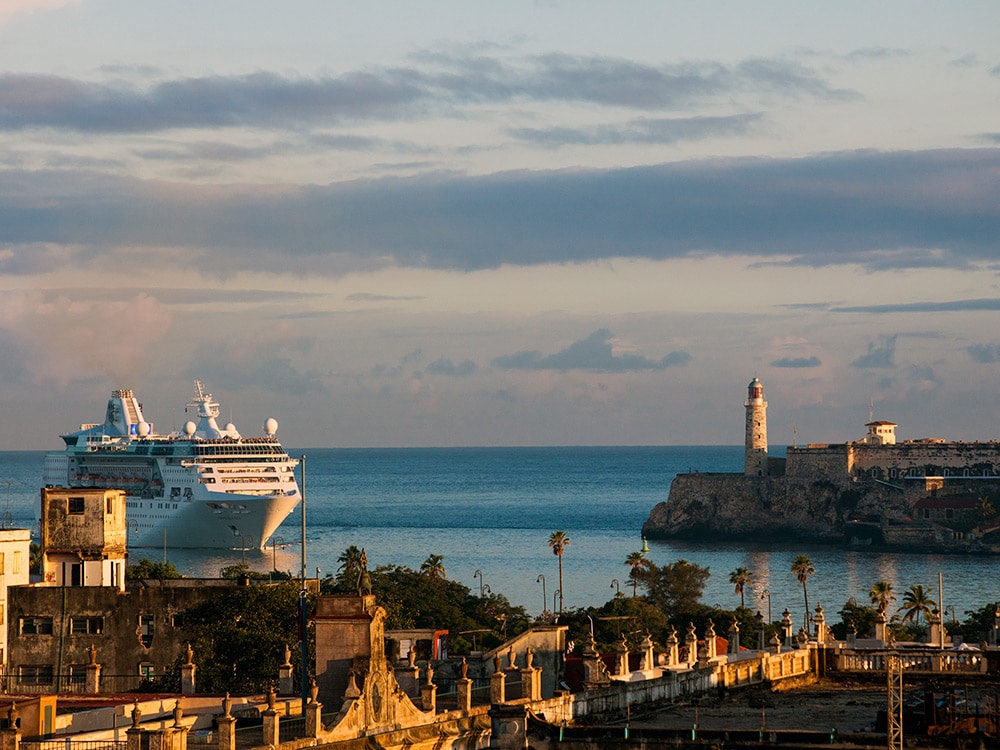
755 454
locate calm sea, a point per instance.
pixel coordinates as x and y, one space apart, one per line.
489 513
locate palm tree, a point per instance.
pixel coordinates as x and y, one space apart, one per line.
918 603
350 566
881 595
636 562
802 567
740 578
433 566
559 541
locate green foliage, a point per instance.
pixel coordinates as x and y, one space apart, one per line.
146 569
741 578
241 636
675 587
917 604
862 616
416 599
978 623
241 570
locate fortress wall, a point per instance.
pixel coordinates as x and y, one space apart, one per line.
932 459
829 463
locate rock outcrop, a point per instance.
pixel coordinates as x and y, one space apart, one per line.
738 507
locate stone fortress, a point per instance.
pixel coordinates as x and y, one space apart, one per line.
927 493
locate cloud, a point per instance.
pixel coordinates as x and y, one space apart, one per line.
984 353
963 305
594 353
797 362
267 100
880 355
371 297
642 130
11 8
445 366
877 210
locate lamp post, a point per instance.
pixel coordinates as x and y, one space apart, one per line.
766 594
616 585
545 599
555 598
303 645
760 628
274 551
479 574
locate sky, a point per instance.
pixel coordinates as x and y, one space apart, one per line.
521 223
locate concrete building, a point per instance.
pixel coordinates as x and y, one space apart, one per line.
15 554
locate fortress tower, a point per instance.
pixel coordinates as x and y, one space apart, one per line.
755 461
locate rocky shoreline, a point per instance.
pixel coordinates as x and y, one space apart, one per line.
731 507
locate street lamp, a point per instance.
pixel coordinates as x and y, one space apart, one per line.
274 551
479 574
766 594
545 599
555 598
616 585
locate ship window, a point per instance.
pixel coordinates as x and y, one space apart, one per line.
75 505
36 626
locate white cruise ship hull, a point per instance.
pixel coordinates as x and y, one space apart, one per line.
203 487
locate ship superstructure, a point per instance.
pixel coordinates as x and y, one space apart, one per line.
202 486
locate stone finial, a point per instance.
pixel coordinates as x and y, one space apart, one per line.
529 657
710 629
227 706
497 662
189 655
465 669
430 674
512 657
271 698
672 636
352 686
12 715
313 691
692 632
411 658
178 713
288 657
136 715
92 651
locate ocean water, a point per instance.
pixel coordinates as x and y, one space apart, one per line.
489 513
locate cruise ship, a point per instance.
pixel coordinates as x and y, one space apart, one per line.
202 487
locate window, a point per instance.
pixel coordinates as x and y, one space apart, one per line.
147 670
146 630
177 620
75 505
86 625
109 509
17 561
2 571
2 615
949 513
36 626
77 674
36 674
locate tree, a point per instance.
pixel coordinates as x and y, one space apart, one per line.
741 578
637 564
860 616
146 569
559 541
676 587
881 595
349 569
433 566
802 567
917 604
240 636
